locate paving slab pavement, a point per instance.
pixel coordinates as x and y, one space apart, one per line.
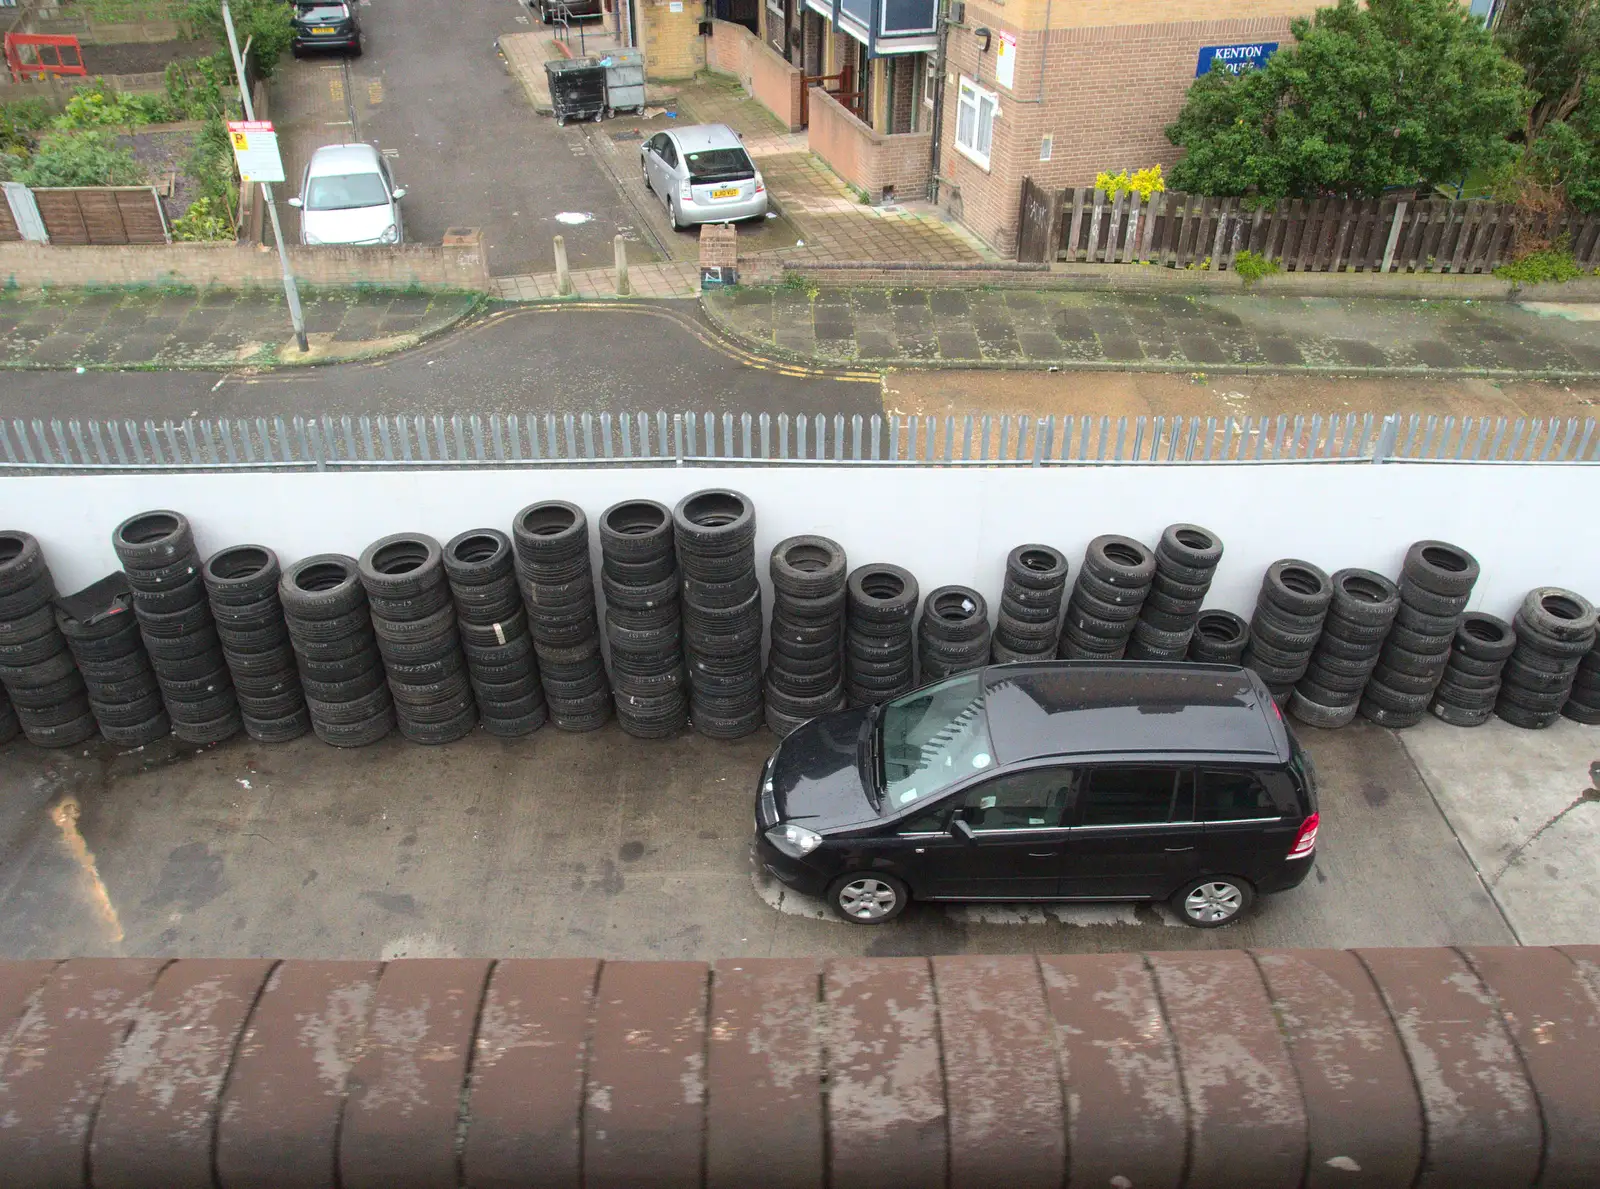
152 328
599 844
1207 333
1526 806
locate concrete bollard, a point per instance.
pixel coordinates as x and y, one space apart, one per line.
621 247
563 273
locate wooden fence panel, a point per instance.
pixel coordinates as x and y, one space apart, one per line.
101 215
1171 229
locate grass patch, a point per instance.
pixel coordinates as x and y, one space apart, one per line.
1543 266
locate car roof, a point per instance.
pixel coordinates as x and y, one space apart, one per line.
1084 709
698 137
343 158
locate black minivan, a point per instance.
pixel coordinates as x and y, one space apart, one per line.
1048 780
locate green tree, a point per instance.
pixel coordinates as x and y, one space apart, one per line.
1557 44
81 159
264 23
1393 93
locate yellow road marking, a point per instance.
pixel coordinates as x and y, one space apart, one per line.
375 91
336 89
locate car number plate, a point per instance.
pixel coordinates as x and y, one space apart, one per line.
730 193
323 29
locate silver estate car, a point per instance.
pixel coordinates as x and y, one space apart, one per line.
348 197
702 174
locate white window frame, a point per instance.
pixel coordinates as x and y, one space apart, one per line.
971 97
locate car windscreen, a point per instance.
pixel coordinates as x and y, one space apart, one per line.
719 165
932 738
322 14
345 191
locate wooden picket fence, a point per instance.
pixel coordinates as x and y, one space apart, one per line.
1317 235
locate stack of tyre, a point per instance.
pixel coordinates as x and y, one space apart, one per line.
1294 600
552 553
1112 586
41 681
953 632
1436 581
1186 562
880 623
644 624
414 619
494 632
805 665
158 554
242 587
10 728
1583 705
1220 638
1031 595
330 628
1555 630
1470 686
1359 617
103 634
715 534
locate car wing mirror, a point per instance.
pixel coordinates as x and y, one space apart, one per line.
963 830
399 193
294 202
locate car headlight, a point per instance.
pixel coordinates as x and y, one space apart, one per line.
391 234
795 841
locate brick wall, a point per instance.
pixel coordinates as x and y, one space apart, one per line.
1031 14
453 266
673 47
1108 95
774 83
871 160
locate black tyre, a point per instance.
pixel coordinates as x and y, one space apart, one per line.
1297 587
1440 567
1119 561
322 586
477 557
401 566
1559 614
152 539
1036 567
808 567
1484 637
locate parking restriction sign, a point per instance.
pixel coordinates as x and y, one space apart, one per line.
255 149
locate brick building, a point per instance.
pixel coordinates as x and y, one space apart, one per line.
1066 88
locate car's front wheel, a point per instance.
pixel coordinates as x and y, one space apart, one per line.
1214 901
868 898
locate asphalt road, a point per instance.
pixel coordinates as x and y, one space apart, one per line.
431 89
542 359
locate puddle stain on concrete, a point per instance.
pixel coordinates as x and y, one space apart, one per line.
65 815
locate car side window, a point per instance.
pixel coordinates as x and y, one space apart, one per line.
669 154
1129 796
1037 799
658 142
1234 795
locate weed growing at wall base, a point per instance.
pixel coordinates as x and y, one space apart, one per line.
1252 266
1554 264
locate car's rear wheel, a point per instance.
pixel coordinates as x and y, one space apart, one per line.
1214 901
672 212
868 898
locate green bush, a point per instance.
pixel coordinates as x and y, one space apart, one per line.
202 222
265 24
1544 264
81 159
1251 267
196 87
211 165
95 107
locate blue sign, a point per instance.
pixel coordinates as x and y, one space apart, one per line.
1235 59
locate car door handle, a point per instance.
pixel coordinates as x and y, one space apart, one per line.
1043 854
1175 849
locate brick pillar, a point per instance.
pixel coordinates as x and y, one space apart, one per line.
905 73
810 43
469 263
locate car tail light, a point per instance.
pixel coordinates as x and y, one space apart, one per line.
1306 841
761 185
686 190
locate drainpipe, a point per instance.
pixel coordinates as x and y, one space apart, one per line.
938 100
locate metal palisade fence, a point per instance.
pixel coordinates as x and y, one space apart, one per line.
329 443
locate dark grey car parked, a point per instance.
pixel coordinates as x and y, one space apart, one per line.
1051 780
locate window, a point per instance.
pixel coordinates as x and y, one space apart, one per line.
345 191
932 739
1035 800
976 109
1129 796
715 165
669 153
1230 796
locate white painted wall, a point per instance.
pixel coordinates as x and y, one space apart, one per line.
1528 525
